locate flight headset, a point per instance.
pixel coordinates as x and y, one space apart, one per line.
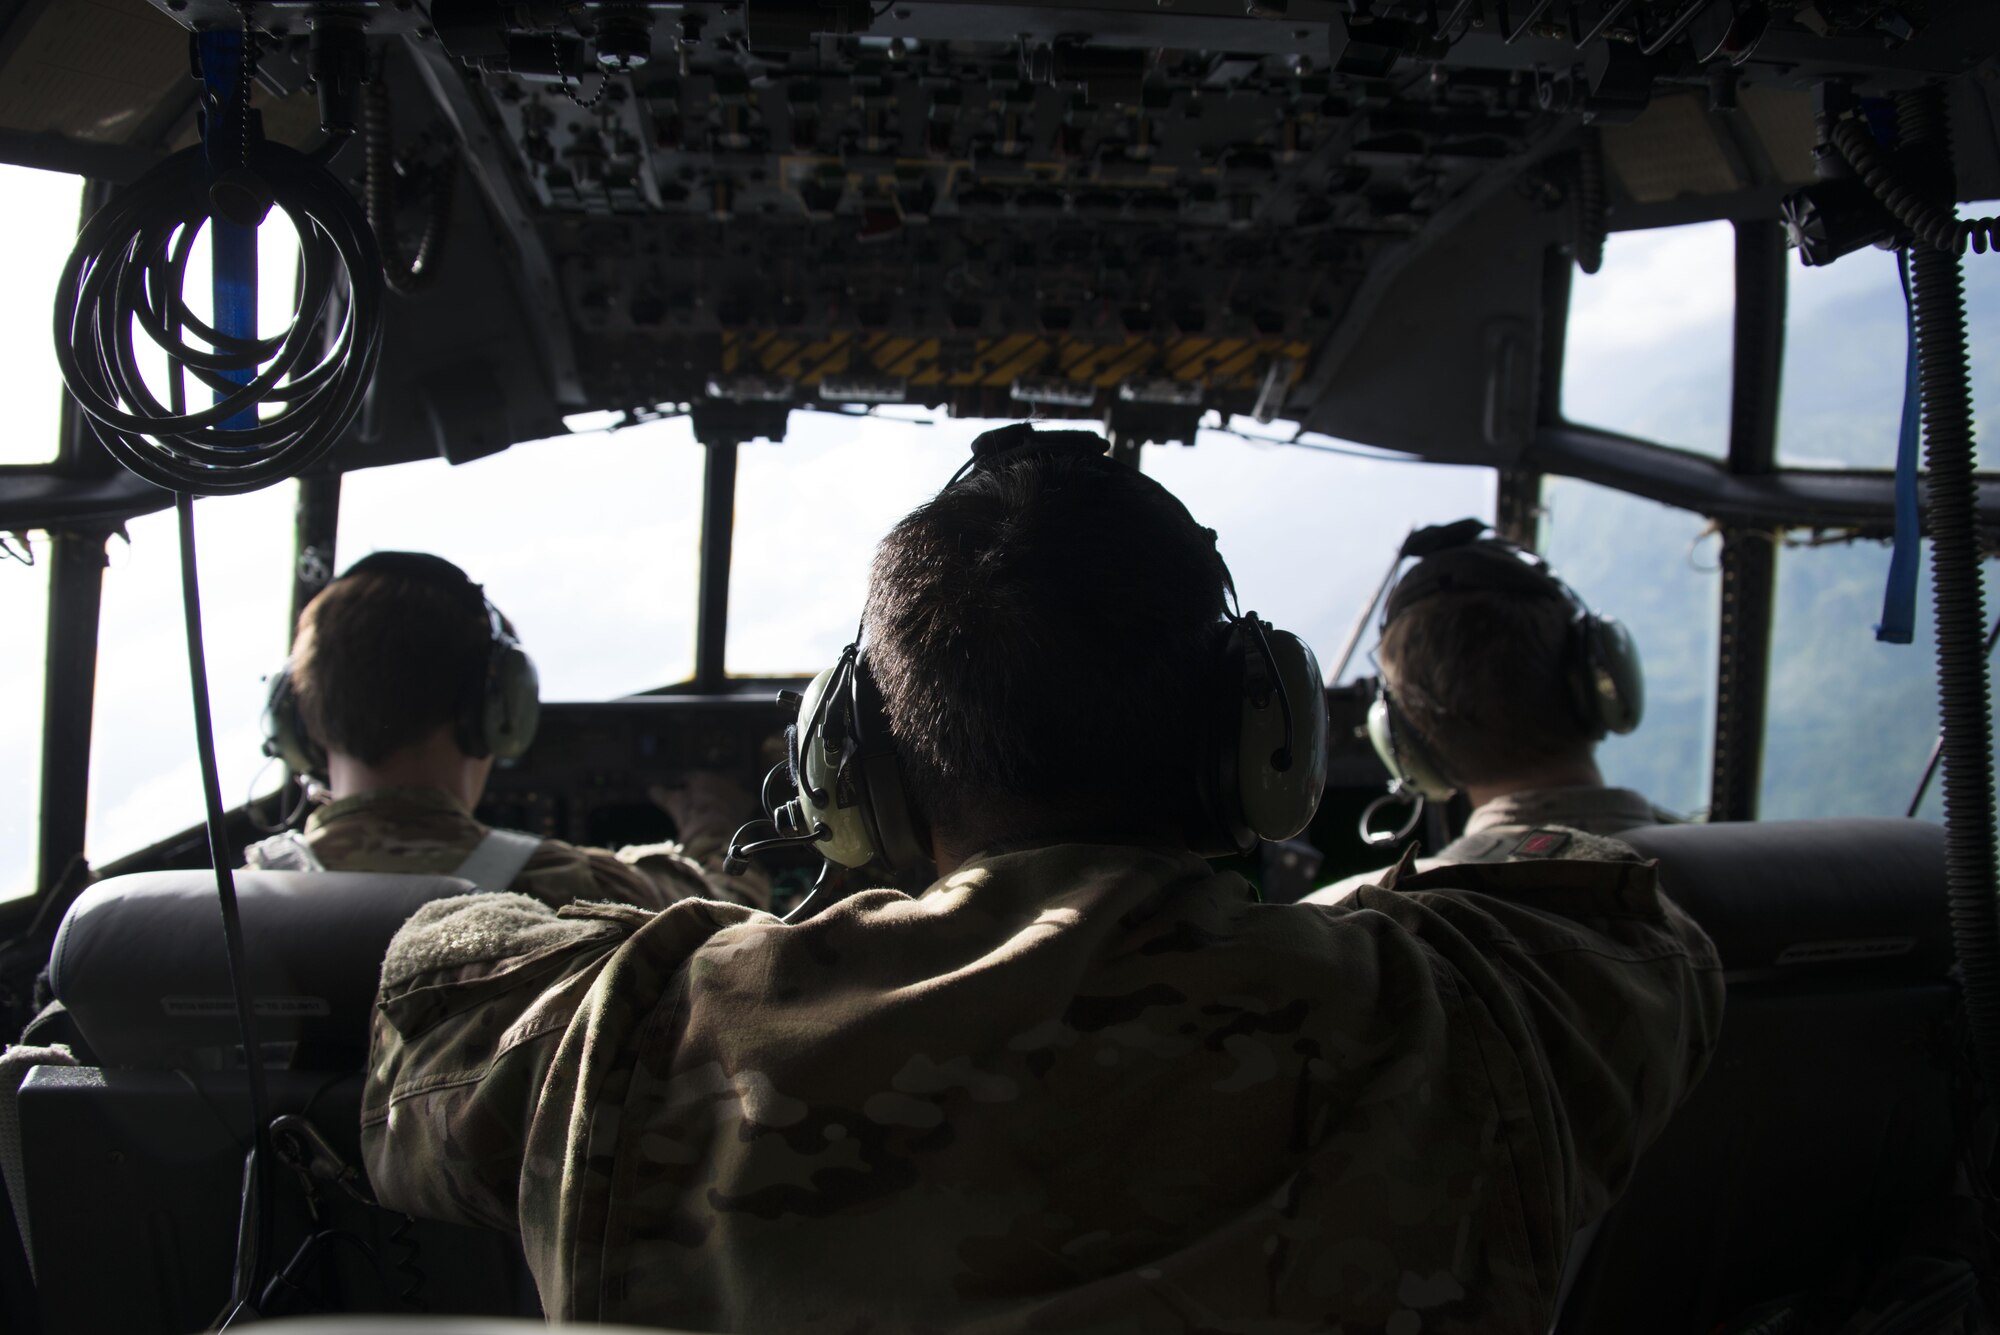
1600 662
1258 772
497 710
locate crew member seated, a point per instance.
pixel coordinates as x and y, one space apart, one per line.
404 686
1498 681
1085 1081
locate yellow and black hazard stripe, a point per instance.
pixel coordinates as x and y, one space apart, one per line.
1218 363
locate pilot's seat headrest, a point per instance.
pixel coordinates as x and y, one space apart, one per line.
1799 899
140 964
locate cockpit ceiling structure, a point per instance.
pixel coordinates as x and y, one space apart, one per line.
1337 213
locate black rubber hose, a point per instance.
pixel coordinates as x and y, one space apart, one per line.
405 274
1959 603
1587 202
1910 204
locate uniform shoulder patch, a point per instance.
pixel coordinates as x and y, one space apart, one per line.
1543 843
1548 842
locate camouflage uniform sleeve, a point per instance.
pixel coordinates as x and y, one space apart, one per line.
495 1014
476 993
656 875
1598 1002
561 873
679 873
648 876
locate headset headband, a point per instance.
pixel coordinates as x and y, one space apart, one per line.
422 567
1460 558
440 574
990 449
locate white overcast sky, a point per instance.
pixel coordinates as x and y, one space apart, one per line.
588 542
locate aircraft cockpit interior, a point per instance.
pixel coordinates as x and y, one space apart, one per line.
653 318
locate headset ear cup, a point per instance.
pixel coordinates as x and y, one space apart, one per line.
512 703
1403 751
1617 679
1282 737
1264 769
823 740
285 734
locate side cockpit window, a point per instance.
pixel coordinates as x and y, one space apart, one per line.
1652 567
1647 348
1851 720
42 210
1846 333
42 214
1308 532
144 784
24 611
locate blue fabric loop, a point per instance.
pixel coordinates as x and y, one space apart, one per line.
1899 598
232 248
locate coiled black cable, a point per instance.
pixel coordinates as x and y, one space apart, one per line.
1921 214
406 274
1959 603
128 268
1587 202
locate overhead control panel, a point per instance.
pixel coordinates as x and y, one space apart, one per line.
1138 211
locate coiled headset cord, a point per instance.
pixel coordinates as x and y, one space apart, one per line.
128 267
127 270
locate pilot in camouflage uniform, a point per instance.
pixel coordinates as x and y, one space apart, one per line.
1077 1088
406 685
1498 681
427 831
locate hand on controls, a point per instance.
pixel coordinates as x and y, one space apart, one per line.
706 801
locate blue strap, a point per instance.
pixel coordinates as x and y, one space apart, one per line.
232 248
1899 598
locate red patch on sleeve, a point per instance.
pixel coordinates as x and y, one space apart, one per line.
1541 844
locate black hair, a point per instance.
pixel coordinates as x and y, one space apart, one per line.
1043 634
